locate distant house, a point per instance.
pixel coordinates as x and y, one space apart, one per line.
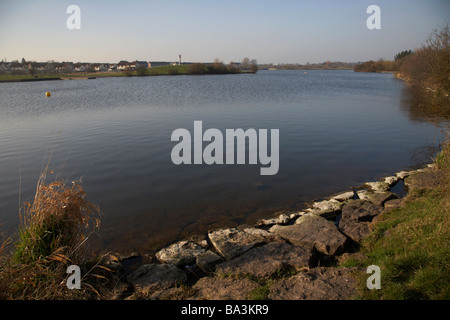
99 67
123 65
143 64
79 67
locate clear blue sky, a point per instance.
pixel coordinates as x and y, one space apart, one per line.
279 31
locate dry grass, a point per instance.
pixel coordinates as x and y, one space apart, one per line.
52 235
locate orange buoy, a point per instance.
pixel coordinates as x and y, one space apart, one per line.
47 94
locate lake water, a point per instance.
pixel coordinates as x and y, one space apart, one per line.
338 129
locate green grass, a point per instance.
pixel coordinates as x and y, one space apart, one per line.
168 70
411 245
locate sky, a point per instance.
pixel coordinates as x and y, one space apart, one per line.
282 31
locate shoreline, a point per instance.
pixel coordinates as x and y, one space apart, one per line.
310 241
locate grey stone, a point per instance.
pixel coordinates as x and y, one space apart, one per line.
360 210
266 260
232 242
378 198
316 284
151 277
356 217
390 181
326 208
378 186
281 219
314 232
344 196
355 230
180 253
402 174
207 261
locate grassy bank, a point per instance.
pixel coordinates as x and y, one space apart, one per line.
411 244
169 70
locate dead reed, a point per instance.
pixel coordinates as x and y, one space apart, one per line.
53 232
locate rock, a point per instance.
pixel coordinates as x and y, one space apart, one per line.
207 261
266 260
344 196
151 277
314 232
224 288
378 186
354 229
317 284
274 228
390 181
378 198
295 215
181 253
327 208
393 204
402 174
356 217
281 219
360 210
232 242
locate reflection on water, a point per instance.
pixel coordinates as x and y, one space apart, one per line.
425 106
338 129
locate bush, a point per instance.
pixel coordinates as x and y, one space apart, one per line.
196 69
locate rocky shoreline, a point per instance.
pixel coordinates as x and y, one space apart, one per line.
292 256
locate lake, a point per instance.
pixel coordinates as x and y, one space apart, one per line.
337 130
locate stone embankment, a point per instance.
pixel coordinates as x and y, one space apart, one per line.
293 256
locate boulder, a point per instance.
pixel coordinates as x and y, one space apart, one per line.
390 181
268 259
326 208
402 174
209 288
281 219
151 277
378 186
181 253
355 230
207 261
378 198
360 210
314 232
316 284
356 217
344 196
232 242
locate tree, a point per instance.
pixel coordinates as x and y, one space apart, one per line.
402 54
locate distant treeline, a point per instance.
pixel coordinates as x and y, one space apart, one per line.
426 67
328 65
426 70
